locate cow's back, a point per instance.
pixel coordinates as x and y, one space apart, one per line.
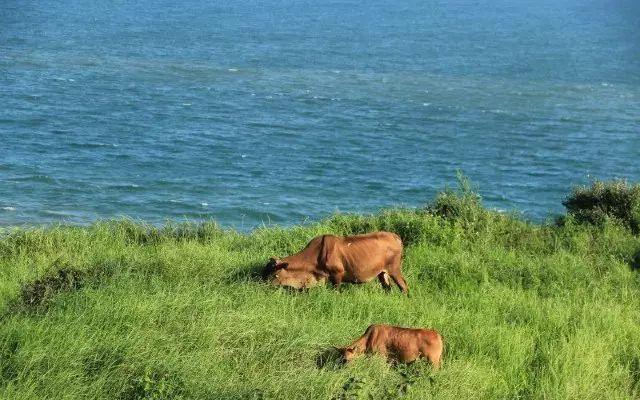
375 241
362 256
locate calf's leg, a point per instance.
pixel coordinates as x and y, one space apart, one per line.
433 352
435 357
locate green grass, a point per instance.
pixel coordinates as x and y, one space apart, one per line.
527 311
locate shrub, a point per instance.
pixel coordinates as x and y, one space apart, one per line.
154 384
39 294
602 201
463 204
42 291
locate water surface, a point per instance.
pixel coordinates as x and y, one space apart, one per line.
283 111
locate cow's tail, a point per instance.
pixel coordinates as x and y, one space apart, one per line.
324 252
398 238
400 244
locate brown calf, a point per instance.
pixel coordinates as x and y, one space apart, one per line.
399 344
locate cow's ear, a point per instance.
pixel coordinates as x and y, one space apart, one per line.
273 261
281 265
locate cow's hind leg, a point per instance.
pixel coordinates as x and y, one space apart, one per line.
399 280
396 274
384 280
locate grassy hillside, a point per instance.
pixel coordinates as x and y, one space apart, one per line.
124 310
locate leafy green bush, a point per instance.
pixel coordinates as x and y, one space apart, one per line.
154 384
464 203
615 200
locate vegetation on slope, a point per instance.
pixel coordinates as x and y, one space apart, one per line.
130 311
616 200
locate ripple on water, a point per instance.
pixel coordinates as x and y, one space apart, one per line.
38 178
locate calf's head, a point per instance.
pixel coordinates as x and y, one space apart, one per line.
347 353
296 279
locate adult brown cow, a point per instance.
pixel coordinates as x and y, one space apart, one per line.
355 259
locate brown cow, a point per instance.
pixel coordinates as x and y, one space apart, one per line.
397 343
354 259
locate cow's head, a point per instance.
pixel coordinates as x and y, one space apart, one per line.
273 266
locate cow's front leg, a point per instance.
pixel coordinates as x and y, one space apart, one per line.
336 273
336 280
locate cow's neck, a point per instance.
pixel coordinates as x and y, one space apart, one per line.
305 260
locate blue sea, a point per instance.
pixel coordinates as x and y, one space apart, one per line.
285 111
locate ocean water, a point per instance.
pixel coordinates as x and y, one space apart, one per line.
283 111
